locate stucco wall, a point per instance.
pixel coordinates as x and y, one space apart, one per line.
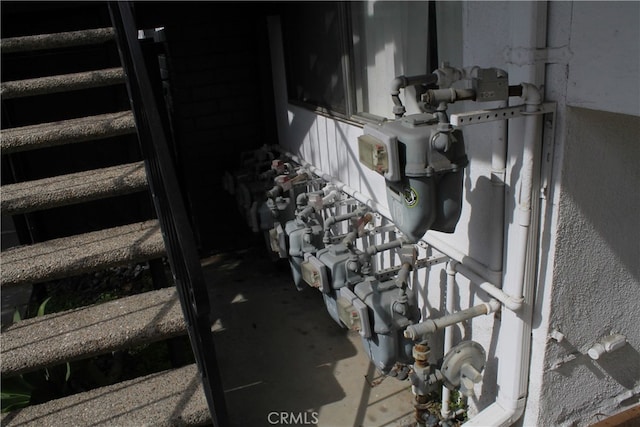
591 286
597 270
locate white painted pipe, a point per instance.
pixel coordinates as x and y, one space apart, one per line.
513 368
457 255
331 197
392 244
498 171
330 221
515 329
514 342
448 331
402 279
533 135
511 302
420 330
607 344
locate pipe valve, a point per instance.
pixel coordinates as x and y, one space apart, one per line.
607 344
462 367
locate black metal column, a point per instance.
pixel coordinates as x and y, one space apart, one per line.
169 204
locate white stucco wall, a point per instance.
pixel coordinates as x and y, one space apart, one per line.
593 62
588 282
596 289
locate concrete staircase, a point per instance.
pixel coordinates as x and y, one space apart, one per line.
173 397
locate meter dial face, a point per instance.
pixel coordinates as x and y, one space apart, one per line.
410 196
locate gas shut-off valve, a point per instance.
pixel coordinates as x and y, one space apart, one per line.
460 370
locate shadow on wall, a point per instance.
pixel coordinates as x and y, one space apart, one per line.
625 356
601 176
481 194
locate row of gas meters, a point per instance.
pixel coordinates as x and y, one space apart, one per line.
322 232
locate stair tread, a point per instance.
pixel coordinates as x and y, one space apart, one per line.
168 398
61 83
83 253
56 40
72 188
67 131
88 331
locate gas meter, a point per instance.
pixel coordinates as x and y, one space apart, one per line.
422 160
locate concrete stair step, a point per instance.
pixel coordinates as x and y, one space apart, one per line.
169 398
61 83
57 40
69 256
74 188
80 333
72 131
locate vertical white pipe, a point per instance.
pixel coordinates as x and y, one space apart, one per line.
515 329
498 168
513 388
514 342
448 331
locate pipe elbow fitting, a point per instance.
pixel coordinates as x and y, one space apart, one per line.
514 303
416 332
493 305
531 94
361 210
452 267
329 222
306 212
331 197
447 75
398 83
470 72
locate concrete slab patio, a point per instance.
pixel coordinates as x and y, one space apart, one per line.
280 352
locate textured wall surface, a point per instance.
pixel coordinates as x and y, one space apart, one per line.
604 55
597 273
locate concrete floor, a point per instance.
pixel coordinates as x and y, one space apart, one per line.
279 351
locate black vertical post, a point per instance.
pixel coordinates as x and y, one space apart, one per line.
168 201
432 34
